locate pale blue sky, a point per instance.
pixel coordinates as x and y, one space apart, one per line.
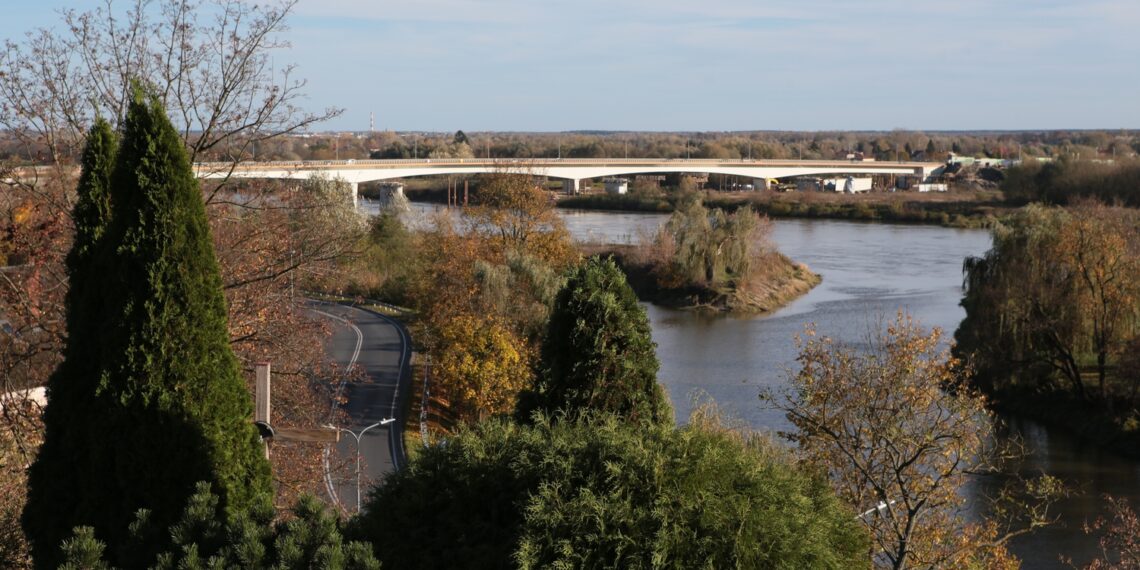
550 65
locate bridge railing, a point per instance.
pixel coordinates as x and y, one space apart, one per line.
519 162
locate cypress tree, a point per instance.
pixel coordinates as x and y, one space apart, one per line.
169 407
598 353
61 464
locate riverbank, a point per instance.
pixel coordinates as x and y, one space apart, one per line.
776 282
1117 432
973 210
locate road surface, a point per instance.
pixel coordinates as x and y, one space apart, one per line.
378 346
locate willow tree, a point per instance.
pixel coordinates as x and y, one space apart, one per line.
1057 297
167 406
713 247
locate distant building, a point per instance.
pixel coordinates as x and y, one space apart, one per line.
616 185
917 184
983 162
932 187
850 185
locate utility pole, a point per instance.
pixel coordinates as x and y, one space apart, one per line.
263 420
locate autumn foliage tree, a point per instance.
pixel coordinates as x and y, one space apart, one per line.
484 366
1058 296
210 61
900 432
514 214
1120 539
484 286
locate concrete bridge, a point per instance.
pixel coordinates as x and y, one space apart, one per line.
570 170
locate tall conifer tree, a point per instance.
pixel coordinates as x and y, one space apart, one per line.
60 468
598 353
169 407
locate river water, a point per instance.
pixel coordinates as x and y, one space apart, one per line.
870 271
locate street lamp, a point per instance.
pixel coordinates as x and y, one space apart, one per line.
357 436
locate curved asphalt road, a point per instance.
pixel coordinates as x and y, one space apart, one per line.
379 346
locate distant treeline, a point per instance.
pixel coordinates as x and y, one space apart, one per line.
1061 182
880 145
975 213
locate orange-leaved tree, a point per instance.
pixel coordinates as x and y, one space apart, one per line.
899 434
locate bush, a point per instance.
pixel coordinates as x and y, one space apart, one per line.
597 492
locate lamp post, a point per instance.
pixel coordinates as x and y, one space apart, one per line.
357 436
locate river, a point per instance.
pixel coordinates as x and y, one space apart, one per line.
870 271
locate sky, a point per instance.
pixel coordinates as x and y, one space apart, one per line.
705 65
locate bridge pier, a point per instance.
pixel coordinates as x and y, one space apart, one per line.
355 186
759 184
570 185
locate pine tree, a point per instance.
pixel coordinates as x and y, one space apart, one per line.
598 353
204 536
169 407
60 468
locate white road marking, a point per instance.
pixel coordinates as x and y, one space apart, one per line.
336 399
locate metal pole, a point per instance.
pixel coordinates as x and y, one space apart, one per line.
358 473
357 437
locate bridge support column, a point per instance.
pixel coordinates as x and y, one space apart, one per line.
570 185
355 186
761 184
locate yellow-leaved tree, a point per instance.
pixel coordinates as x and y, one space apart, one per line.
482 368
